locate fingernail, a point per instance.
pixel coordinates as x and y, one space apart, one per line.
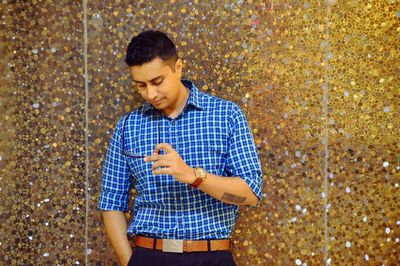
145 159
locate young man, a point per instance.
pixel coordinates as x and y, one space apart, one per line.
192 158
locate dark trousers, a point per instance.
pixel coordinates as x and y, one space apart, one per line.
152 257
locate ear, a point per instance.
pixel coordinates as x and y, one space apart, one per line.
179 67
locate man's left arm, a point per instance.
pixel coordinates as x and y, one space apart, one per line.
242 187
232 190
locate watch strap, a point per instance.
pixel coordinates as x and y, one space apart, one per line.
196 183
199 177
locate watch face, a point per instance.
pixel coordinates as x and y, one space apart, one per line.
200 173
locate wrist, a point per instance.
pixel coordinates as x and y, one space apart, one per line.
200 175
190 176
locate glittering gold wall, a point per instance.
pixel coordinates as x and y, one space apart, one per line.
318 81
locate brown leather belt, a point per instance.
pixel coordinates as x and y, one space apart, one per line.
179 246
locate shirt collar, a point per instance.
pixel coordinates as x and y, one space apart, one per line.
195 97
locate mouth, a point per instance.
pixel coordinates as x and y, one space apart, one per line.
157 102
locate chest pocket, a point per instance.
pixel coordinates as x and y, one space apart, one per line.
139 167
211 156
145 181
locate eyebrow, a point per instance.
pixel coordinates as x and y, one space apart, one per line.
152 80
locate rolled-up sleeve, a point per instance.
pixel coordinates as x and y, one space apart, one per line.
116 180
243 160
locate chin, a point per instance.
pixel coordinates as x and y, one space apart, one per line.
159 107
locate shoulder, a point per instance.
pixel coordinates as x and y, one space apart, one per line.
138 113
228 111
132 117
215 103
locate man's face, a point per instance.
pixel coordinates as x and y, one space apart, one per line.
158 83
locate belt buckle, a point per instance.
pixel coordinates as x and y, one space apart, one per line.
172 245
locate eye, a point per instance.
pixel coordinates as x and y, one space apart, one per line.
158 82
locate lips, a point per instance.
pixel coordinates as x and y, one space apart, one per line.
157 102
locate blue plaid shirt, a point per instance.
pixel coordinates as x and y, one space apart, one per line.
211 133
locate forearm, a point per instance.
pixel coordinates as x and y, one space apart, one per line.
232 190
116 227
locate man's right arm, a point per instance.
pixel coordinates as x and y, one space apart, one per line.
116 227
114 196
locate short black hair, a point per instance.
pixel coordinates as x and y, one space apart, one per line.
148 45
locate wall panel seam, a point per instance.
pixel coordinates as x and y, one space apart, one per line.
85 44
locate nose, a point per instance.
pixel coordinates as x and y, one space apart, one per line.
152 92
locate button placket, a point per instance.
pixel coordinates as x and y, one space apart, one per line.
178 202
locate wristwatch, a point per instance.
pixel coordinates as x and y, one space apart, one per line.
201 175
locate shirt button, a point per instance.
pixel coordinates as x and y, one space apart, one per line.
178 197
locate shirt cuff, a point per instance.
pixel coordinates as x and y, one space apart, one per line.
113 202
255 183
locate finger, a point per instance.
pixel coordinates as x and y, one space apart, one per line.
163 171
163 146
152 158
160 163
155 157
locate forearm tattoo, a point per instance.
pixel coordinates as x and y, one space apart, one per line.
233 198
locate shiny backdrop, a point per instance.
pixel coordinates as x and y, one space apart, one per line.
318 81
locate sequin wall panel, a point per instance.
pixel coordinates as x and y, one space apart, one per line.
317 80
268 58
42 212
363 124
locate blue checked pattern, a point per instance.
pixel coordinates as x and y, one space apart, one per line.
211 133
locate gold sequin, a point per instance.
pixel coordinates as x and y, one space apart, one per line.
317 80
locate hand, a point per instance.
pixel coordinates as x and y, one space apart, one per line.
170 163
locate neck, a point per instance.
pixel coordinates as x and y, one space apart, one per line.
178 107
